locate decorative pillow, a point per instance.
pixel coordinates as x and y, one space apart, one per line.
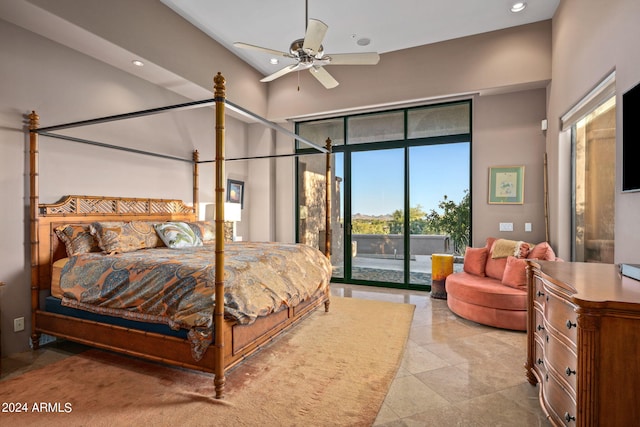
205 230
77 239
515 274
177 235
542 251
118 237
475 260
495 266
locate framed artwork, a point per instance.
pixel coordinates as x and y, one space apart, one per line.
235 191
506 185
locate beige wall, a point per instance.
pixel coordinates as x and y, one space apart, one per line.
152 31
63 86
591 38
499 60
506 128
506 132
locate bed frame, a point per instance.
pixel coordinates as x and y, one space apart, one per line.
232 342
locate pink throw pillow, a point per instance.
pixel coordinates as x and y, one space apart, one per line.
474 260
515 274
542 251
495 266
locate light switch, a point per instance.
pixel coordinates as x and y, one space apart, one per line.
506 226
527 226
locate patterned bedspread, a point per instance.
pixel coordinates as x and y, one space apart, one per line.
176 286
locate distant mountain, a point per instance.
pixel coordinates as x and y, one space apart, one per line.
366 217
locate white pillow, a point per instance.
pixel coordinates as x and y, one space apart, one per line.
177 235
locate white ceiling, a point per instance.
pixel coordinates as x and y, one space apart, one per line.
390 24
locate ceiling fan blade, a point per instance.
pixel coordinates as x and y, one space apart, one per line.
324 77
316 31
367 58
280 73
262 49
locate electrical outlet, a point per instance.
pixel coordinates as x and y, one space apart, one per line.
506 226
18 324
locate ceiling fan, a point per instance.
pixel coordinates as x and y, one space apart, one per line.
309 55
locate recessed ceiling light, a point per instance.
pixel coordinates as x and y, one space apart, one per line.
518 6
363 41
137 63
274 61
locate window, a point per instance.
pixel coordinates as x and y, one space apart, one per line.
592 124
392 177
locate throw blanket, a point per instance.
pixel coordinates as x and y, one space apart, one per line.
503 248
176 286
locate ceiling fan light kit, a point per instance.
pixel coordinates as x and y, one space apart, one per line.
308 53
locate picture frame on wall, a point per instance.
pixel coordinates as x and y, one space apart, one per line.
506 185
235 192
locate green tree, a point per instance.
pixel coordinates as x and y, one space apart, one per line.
455 220
370 226
417 221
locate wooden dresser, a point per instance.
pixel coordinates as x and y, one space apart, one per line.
583 339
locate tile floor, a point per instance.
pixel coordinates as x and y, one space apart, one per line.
454 372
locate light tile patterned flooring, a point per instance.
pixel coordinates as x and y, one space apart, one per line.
454 372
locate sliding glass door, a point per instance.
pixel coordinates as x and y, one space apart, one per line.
400 192
377 207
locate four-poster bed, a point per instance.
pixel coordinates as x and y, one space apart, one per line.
145 335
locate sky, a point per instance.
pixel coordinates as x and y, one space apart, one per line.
377 177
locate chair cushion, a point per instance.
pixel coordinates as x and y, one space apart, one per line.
486 292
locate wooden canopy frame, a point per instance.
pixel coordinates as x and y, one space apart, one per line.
232 342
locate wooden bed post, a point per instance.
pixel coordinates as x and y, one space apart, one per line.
327 227
218 309
196 187
329 188
33 213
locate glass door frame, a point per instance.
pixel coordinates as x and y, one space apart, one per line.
406 144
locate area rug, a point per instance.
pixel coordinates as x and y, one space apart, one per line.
332 369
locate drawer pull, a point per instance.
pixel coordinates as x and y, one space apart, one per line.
540 328
570 325
568 371
540 293
547 337
540 361
568 417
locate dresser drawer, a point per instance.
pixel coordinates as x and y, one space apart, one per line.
559 402
539 327
561 316
539 292
538 360
561 360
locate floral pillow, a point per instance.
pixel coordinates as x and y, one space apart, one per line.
118 237
206 230
77 239
177 235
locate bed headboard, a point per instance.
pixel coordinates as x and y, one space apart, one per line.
88 209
